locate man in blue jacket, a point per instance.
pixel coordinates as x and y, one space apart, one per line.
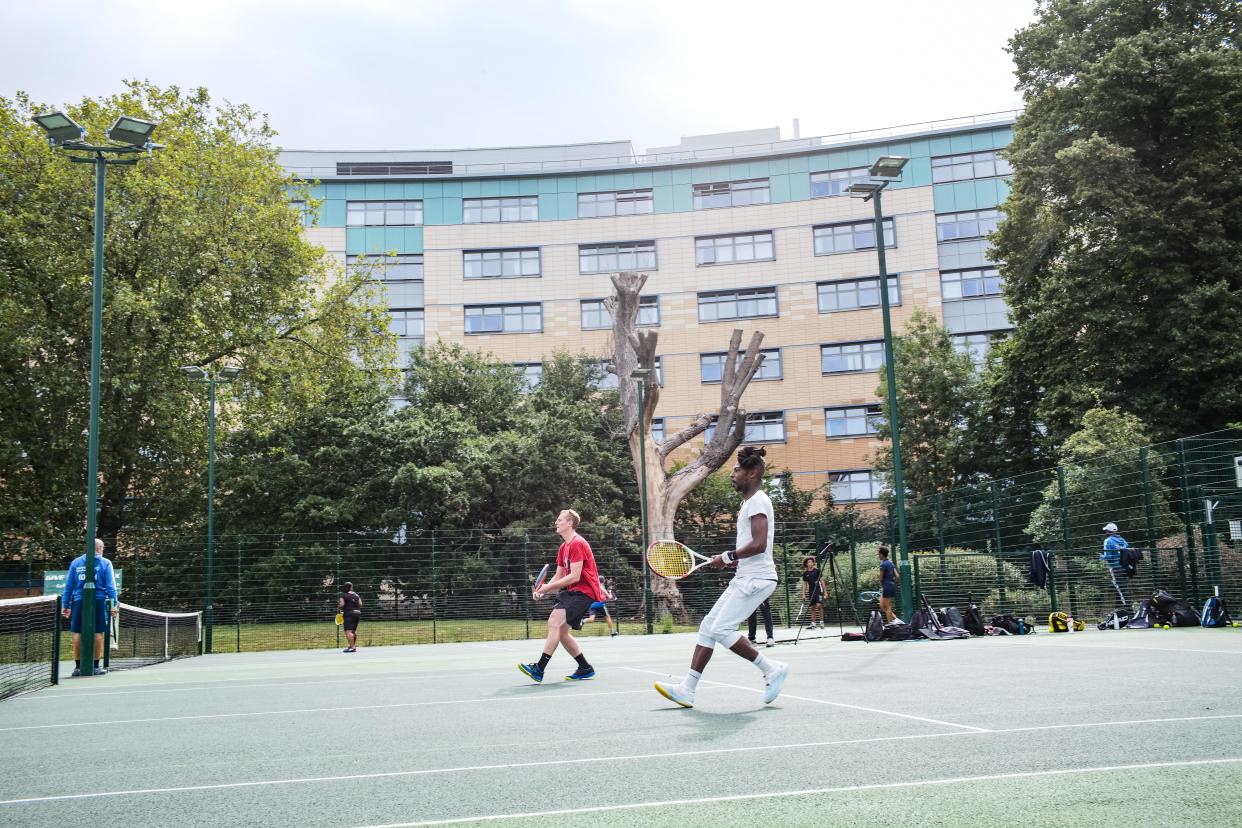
1111 556
71 600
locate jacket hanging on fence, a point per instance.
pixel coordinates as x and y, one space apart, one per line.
1039 568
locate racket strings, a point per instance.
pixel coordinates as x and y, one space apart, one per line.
669 559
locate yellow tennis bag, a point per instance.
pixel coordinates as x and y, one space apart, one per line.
1058 622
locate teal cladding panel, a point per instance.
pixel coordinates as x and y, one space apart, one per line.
375 190
355 192
412 189
549 210
799 184
961 143
394 191
332 213
663 196
779 187
682 175
940 146
548 185
918 172
471 189
433 210
683 198
451 189
661 178
451 210
567 205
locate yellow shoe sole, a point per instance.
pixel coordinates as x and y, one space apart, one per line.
665 694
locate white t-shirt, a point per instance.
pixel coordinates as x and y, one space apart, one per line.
761 565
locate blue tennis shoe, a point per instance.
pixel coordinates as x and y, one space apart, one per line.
581 674
532 670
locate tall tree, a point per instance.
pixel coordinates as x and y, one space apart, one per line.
637 349
205 263
937 398
1121 248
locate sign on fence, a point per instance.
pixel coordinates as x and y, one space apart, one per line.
54 581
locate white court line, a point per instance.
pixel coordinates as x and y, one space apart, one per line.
596 759
545 697
830 703
208 685
1142 649
955 780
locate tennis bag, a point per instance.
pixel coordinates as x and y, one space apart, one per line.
951 617
1115 620
972 620
898 632
874 630
1058 622
1142 619
1008 625
920 621
1216 613
1184 614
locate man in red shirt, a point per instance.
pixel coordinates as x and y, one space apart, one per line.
578 580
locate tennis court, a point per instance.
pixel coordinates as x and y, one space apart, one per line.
1094 728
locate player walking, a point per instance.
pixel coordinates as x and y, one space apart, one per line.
577 574
754 582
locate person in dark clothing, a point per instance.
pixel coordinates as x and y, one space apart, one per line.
814 591
889 579
752 623
350 605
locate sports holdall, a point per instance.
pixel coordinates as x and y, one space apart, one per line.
1216 613
1058 622
1116 620
874 630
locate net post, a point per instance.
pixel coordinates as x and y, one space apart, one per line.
56 631
166 639
107 653
525 568
433 586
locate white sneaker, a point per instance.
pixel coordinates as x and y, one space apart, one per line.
775 680
771 642
676 694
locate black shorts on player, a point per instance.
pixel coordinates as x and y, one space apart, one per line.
575 605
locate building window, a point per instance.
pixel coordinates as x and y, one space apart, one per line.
851 486
657 430
969 224
737 304
856 293
383 213
595 315
401 267
305 216
969 165
530 374
731 194
854 235
852 421
711 366
493 210
836 182
968 284
750 247
761 427
610 258
851 356
620 203
499 264
483 319
407 325
977 345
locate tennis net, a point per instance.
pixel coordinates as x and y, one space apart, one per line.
29 644
142 637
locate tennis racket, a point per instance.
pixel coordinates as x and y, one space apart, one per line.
868 596
540 578
340 619
671 559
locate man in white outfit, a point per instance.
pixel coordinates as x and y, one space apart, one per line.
754 582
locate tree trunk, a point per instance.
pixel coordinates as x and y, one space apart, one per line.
664 492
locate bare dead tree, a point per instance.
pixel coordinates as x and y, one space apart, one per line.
632 349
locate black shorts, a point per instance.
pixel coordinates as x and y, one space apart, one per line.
351 621
888 591
575 605
101 616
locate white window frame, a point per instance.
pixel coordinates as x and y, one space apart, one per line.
505 315
850 478
836 182
377 212
502 263
638 202
856 287
866 350
761 427
714 195
715 362
967 166
717 299
499 209
860 236
734 248
612 257
856 420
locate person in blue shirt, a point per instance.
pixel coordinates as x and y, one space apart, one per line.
71 600
889 579
1111 556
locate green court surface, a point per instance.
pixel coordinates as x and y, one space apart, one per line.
1111 728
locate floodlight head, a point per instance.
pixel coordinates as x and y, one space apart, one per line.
60 127
865 189
229 373
133 131
193 372
888 166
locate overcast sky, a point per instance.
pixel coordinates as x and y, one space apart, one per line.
412 74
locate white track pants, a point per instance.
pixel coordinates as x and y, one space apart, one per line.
742 597
1112 575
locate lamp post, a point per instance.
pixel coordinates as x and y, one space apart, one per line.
641 375
64 133
222 377
885 170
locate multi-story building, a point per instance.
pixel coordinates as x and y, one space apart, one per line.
509 250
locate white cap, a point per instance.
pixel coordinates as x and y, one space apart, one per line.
1110 527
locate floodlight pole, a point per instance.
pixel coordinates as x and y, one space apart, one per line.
97 155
